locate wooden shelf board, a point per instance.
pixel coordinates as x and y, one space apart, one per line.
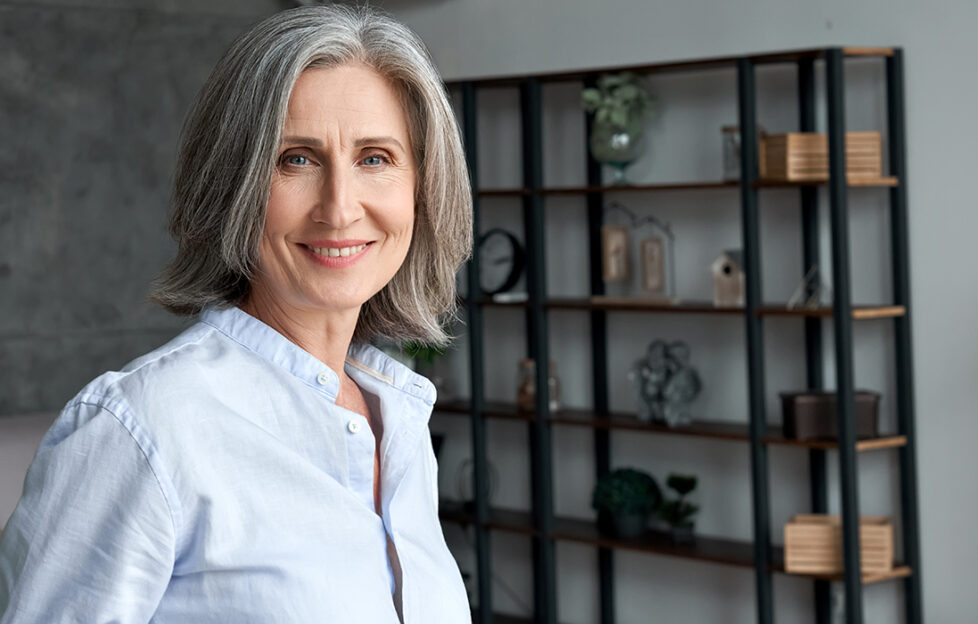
628 304
703 548
897 572
866 444
668 66
493 409
859 313
501 519
716 550
503 192
713 429
704 429
884 181
867 51
628 188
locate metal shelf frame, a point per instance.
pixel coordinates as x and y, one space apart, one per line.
533 195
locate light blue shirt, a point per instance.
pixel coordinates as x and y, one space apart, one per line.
216 480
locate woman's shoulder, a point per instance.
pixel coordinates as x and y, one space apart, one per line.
198 361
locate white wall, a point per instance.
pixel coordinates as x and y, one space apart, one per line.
471 38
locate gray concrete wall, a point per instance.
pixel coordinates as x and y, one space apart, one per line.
92 97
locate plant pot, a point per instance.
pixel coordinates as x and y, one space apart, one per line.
623 525
682 534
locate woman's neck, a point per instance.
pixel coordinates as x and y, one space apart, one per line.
326 335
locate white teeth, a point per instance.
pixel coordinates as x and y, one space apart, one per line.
336 252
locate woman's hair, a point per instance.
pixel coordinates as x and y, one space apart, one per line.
228 154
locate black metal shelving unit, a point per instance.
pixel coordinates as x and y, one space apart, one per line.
539 523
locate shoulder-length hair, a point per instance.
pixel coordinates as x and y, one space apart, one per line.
228 153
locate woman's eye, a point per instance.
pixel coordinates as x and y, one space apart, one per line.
373 161
297 160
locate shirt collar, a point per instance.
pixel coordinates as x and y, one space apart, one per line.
361 359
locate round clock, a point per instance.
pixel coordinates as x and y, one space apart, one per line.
501 261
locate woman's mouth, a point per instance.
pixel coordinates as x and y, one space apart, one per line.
336 252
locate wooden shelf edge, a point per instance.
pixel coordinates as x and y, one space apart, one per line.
897 572
869 444
862 181
859 312
867 51
710 429
702 548
635 188
720 62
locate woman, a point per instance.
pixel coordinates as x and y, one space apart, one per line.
268 465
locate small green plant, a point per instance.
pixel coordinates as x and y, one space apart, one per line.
422 353
619 99
626 491
678 512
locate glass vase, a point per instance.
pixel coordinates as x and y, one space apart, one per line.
616 146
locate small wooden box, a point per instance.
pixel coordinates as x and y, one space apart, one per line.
813 544
811 414
804 156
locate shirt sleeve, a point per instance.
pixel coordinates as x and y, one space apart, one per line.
92 538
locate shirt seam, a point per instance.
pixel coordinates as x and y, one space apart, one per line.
176 516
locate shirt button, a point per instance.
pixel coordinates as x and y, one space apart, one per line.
353 426
323 379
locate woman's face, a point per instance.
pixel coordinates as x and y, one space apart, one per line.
341 208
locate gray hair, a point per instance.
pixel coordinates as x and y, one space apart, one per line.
228 153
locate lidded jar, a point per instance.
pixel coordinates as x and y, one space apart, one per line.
526 383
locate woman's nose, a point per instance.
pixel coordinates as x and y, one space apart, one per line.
339 207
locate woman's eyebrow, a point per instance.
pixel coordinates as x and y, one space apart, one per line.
301 140
378 140
364 142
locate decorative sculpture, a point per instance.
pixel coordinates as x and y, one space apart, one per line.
666 383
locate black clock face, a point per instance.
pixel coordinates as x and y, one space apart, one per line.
501 260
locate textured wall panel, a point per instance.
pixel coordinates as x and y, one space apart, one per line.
91 103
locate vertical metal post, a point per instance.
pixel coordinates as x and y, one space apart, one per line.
750 229
900 247
476 351
541 455
599 367
842 317
817 468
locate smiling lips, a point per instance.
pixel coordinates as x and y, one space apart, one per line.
336 254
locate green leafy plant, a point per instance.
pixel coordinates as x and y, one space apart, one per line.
678 512
619 99
422 353
626 491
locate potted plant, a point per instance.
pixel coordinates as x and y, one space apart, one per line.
422 358
624 499
678 512
620 104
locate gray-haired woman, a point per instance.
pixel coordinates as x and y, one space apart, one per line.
269 465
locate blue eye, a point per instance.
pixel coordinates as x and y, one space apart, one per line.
296 159
373 161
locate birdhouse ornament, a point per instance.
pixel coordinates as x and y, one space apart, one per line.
728 279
